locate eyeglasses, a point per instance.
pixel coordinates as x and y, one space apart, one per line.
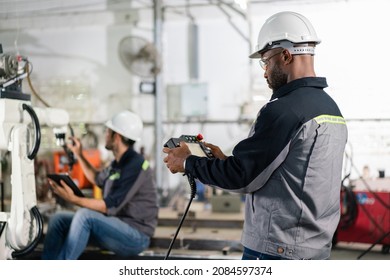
264 61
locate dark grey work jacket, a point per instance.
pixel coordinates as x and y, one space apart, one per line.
129 191
290 168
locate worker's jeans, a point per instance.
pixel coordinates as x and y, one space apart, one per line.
69 233
254 255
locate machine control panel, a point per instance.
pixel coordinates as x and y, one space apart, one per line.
195 144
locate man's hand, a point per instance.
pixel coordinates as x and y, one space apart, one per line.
216 151
66 193
175 157
63 191
75 146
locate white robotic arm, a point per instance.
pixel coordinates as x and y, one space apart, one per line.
21 228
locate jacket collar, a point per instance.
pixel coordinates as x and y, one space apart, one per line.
317 82
124 158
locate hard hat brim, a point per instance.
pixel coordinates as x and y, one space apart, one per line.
256 54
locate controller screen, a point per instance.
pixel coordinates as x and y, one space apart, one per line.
196 150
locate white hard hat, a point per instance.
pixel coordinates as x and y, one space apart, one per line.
126 124
287 27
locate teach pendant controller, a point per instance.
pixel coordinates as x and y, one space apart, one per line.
194 143
197 148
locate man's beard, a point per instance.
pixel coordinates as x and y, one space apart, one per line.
277 79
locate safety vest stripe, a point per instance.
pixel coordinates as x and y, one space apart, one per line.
330 119
115 176
145 165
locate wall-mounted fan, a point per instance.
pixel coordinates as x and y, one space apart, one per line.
139 56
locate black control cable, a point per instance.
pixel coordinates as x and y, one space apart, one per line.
192 183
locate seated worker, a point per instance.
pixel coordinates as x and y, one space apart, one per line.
125 219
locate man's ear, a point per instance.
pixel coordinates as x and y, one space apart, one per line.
287 57
114 135
117 136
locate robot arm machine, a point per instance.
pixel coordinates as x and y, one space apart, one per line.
21 228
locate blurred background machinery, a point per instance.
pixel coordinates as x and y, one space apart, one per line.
365 217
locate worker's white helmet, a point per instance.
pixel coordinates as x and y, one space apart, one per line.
126 124
289 28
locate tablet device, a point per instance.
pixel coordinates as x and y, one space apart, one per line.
58 177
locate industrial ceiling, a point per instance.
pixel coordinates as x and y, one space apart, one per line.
199 8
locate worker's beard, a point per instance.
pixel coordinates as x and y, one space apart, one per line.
277 78
110 142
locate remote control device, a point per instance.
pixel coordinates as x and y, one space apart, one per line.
194 143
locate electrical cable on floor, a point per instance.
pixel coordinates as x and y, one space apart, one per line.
372 246
192 183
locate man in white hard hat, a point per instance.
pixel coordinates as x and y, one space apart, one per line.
125 219
290 165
